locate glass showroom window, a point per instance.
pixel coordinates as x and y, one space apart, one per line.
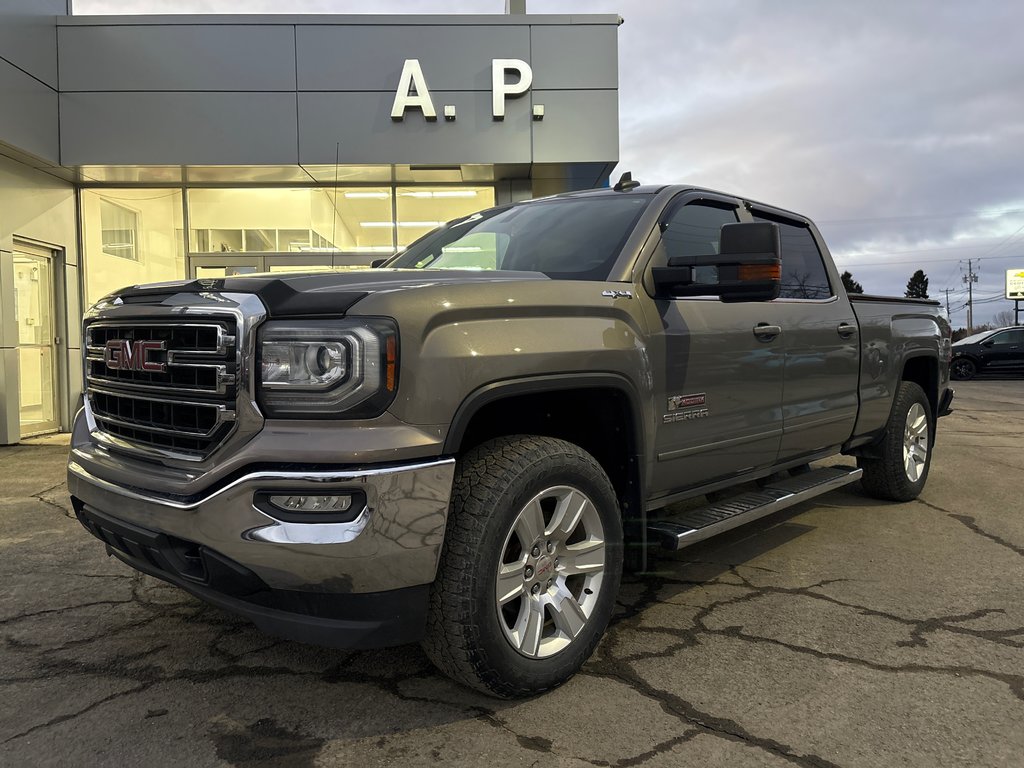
131 236
420 209
119 230
297 220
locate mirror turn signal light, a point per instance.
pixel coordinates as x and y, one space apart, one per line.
760 272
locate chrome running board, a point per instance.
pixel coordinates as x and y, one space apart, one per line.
699 524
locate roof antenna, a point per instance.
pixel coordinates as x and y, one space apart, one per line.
626 183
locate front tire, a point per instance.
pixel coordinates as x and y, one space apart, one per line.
530 567
901 470
963 369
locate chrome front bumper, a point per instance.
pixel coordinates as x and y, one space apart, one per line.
394 542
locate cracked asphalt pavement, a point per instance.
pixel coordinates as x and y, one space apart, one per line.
843 632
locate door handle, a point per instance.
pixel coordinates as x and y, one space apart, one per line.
845 330
765 332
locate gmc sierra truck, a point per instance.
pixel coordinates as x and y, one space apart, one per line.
464 446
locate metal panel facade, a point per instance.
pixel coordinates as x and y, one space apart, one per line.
190 57
350 58
280 90
27 38
172 128
575 57
28 113
580 125
359 126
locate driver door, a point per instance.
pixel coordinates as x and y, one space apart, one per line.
718 366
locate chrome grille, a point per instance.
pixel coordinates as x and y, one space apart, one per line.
199 357
185 408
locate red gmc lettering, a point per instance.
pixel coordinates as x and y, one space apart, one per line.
124 355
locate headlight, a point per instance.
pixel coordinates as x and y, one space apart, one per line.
328 368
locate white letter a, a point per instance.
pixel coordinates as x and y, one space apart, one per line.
412 92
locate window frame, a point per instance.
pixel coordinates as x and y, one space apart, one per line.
763 213
1006 332
136 250
672 211
655 238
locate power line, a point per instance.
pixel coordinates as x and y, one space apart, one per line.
1008 239
939 260
925 216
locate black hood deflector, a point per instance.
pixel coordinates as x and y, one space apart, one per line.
318 293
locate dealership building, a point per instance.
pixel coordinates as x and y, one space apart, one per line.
137 149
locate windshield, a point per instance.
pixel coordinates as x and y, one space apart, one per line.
565 238
973 339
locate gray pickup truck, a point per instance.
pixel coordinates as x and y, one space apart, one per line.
466 446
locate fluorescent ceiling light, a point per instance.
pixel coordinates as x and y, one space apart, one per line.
462 249
441 193
368 195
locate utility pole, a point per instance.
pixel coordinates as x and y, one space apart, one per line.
946 291
970 278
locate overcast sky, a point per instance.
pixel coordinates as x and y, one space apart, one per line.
897 125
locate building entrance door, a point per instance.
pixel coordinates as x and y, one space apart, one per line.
37 354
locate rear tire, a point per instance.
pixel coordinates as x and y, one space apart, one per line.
901 469
530 567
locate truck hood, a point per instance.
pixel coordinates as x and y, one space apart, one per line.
321 293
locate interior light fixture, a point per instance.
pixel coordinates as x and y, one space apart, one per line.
367 195
389 224
441 193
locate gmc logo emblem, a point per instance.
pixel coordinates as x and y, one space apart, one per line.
125 355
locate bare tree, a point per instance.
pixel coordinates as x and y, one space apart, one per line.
1000 319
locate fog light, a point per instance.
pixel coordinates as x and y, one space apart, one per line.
344 506
299 503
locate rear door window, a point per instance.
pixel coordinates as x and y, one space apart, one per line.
803 269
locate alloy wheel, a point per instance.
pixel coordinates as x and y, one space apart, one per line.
915 442
550 571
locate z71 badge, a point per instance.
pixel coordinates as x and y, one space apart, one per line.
678 402
682 408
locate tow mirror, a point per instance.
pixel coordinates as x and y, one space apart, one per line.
377 263
748 267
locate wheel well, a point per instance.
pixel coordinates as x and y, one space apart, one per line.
924 371
600 420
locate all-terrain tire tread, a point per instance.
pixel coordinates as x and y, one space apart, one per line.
480 479
885 478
